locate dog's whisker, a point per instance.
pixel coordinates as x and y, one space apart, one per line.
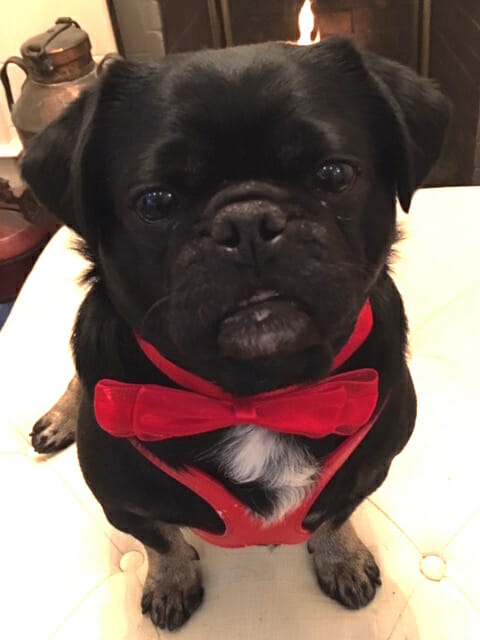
158 303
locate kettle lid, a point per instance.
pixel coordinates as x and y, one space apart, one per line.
63 43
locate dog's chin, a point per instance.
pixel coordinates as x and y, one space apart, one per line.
262 328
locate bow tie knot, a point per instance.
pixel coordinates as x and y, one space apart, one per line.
244 411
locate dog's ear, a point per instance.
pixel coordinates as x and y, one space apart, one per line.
52 161
422 113
65 164
408 116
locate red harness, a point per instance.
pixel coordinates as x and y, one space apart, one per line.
342 404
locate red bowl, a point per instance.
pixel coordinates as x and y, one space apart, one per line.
21 242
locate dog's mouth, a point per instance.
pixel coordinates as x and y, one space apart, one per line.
266 324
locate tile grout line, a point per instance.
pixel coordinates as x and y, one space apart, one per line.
464 594
462 527
407 601
396 525
444 307
78 605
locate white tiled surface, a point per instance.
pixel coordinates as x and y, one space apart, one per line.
67 574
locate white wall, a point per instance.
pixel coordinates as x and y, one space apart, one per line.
22 19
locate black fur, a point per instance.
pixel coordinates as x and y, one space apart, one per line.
236 126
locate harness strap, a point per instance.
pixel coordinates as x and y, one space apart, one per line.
242 526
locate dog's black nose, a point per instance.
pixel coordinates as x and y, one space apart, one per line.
243 226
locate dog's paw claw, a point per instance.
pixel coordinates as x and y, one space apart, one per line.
171 607
52 432
352 582
174 591
147 598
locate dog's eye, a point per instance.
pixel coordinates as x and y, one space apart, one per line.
155 204
335 177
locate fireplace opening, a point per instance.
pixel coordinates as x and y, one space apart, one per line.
439 38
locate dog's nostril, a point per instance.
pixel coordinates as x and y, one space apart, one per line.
227 236
271 227
241 225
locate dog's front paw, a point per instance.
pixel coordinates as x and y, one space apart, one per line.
53 432
174 594
352 581
57 428
346 570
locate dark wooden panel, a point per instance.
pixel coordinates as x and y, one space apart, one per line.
455 64
335 22
186 25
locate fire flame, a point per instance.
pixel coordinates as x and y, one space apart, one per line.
306 25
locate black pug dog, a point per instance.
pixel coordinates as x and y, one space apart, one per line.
238 210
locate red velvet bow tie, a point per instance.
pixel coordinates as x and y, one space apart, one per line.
340 404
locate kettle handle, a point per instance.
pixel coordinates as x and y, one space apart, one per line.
107 60
20 62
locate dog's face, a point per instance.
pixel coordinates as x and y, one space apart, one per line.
241 203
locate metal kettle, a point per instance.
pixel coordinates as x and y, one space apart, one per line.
59 65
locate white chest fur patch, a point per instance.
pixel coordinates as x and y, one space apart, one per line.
252 454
